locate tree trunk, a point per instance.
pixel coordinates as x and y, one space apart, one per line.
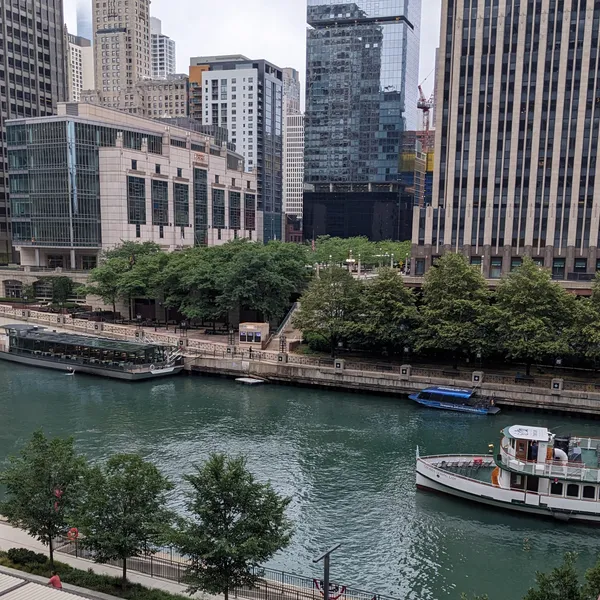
124 582
528 369
51 547
226 593
114 310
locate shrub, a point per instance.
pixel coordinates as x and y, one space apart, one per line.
22 556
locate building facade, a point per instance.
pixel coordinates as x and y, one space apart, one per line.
166 97
246 97
163 51
291 91
293 165
91 177
81 67
516 139
33 79
362 78
122 50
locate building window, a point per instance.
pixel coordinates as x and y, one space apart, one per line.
218 197
160 203
558 268
476 261
181 201
89 262
134 165
496 268
515 263
216 179
419 267
138 231
200 207
157 169
179 172
136 200
581 265
235 210
250 212
539 262
161 232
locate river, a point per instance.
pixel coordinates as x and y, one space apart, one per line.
347 461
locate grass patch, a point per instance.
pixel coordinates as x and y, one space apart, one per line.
86 579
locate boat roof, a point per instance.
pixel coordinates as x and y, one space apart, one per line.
525 432
72 339
451 392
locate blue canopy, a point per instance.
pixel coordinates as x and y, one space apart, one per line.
451 392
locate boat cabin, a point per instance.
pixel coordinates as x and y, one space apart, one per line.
536 460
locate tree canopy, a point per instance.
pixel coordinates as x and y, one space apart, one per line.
123 512
236 524
42 487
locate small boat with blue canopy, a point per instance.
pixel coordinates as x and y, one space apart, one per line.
457 399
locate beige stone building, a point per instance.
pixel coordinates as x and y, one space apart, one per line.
516 141
91 177
122 47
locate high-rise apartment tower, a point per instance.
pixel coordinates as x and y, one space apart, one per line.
163 51
518 87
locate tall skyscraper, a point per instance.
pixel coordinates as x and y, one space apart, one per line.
293 144
122 50
163 51
362 78
517 138
85 28
291 91
81 67
33 79
246 97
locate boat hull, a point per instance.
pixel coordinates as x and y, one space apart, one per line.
90 369
474 410
432 478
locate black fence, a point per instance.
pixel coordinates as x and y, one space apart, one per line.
271 585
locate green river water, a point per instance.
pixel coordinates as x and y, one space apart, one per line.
347 461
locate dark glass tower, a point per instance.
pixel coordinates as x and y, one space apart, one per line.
362 77
33 78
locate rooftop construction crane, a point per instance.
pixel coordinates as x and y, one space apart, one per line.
425 105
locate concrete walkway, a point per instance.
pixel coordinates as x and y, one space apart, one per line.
10 537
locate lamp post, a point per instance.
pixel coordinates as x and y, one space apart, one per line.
392 261
326 563
482 269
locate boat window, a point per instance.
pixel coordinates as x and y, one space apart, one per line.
589 492
556 488
573 490
424 395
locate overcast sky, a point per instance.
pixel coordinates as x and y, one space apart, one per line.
271 29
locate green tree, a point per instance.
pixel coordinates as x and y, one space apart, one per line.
62 289
562 583
236 525
329 306
105 280
534 314
42 487
455 311
131 251
122 513
388 314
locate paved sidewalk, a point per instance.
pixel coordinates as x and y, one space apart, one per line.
10 537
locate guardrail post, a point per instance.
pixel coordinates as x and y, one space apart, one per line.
151 566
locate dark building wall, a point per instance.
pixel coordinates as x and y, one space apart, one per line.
33 78
376 215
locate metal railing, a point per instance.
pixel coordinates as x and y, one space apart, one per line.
165 563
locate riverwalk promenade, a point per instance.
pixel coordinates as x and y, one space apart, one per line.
11 537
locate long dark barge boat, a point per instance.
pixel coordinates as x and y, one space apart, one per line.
73 353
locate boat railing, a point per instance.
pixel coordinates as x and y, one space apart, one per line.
561 470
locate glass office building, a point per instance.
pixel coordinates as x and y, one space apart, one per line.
362 78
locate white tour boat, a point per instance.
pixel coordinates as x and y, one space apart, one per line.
535 472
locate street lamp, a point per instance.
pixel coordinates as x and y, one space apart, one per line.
325 559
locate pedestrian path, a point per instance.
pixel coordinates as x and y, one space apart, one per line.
11 537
